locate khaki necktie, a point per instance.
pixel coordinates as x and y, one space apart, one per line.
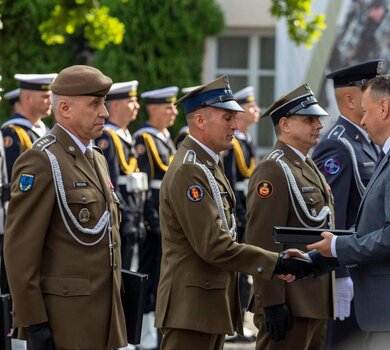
89 155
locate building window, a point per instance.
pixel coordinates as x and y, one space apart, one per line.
250 60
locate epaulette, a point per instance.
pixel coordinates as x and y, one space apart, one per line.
336 132
190 157
44 142
97 148
276 154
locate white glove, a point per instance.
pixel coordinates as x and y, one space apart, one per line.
344 296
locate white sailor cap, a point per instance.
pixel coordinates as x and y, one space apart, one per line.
245 95
188 89
12 96
122 90
38 82
165 95
1 89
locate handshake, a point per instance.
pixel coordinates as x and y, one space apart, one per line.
301 265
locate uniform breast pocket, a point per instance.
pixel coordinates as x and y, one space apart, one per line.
85 205
314 202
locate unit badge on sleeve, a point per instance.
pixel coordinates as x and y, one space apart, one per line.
264 189
195 193
26 182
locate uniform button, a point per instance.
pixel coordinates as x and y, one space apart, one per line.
65 291
311 200
258 296
115 266
114 245
84 199
207 284
260 269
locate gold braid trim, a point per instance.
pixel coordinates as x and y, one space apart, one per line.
127 167
23 136
241 164
152 147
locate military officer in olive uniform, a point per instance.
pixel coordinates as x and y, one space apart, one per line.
26 125
118 147
63 227
155 150
346 157
239 163
197 300
286 189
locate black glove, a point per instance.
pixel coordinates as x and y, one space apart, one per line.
321 264
298 267
39 337
277 321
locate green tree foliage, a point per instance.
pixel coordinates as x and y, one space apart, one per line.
163 45
67 16
21 47
301 29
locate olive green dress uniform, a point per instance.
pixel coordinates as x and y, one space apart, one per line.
198 283
52 277
269 204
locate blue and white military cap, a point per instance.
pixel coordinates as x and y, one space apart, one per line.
300 101
38 82
216 94
358 74
12 96
159 96
245 95
122 90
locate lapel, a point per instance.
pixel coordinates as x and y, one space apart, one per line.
378 170
300 165
207 160
104 179
356 136
80 161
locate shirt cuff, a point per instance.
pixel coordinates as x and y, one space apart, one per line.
333 246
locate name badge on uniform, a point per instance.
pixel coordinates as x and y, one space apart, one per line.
368 164
78 184
308 189
223 194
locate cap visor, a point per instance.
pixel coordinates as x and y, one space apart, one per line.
229 105
314 109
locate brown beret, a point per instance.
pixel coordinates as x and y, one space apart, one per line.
81 81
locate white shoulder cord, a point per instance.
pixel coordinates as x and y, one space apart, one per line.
101 226
293 189
359 184
217 198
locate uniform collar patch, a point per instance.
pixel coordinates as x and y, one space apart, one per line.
26 182
195 193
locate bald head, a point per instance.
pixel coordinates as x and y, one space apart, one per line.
349 100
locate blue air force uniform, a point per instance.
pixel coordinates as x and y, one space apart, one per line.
347 158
